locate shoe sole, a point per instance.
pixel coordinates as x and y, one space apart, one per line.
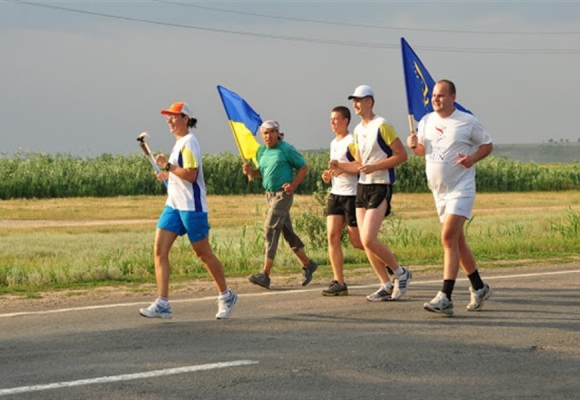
231 308
343 293
162 316
379 300
446 312
487 296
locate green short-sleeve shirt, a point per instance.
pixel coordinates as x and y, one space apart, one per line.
277 165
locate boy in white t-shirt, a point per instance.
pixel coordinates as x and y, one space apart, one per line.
340 209
447 139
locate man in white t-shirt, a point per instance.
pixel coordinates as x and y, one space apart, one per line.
452 141
379 151
340 208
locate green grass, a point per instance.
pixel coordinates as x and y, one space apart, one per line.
507 230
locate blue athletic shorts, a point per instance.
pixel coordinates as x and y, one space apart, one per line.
194 223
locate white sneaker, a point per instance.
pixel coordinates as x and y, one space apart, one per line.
401 284
155 310
383 294
478 297
440 305
225 305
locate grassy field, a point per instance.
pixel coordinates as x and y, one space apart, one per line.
66 243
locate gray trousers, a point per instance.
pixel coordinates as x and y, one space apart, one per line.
278 221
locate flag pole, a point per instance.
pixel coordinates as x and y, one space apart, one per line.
412 126
407 78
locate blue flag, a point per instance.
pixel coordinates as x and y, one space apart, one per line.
244 121
418 84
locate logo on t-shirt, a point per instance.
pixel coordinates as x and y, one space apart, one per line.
437 151
440 133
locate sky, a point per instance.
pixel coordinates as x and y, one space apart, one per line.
87 77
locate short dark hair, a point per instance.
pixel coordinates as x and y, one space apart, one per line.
344 111
192 121
450 84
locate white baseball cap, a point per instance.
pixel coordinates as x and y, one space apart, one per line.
179 108
361 92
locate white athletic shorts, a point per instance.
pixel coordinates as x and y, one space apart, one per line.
462 206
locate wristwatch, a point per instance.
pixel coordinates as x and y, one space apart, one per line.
167 167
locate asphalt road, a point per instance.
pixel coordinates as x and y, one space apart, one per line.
292 343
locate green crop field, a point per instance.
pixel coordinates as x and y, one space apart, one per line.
60 176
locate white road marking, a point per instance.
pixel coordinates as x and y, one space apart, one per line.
267 293
126 377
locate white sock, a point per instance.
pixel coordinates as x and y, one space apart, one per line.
162 301
226 295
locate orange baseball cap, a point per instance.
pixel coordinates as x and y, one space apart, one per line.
178 108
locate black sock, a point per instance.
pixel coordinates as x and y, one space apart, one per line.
475 279
448 285
390 271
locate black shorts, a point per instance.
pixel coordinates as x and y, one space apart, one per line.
371 196
342 205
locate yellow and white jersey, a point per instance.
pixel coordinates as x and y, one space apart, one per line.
183 195
373 143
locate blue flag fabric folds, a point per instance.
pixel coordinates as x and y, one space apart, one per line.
418 84
244 121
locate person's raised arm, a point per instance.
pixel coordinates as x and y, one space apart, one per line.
336 168
469 160
289 188
398 157
417 148
250 171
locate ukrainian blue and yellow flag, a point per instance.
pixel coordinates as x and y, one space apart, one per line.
244 121
418 84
